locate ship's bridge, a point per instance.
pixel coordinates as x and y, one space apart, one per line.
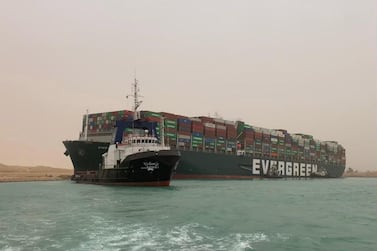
140 141
130 145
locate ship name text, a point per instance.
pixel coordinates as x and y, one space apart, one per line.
282 168
150 166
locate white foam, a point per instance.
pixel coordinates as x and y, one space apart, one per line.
11 249
283 237
185 234
191 236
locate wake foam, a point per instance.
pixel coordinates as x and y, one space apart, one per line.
191 236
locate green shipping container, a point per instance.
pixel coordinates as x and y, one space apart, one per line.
171 126
221 141
171 136
240 126
152 114
197 140
170 123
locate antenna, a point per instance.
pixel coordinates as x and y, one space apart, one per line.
136 96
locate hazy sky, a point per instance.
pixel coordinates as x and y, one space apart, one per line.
305 66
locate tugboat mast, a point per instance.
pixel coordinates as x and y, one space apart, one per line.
86 125
136 96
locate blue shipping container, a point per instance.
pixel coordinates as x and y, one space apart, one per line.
184 140
197 134
184 121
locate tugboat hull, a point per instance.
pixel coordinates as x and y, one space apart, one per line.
152 168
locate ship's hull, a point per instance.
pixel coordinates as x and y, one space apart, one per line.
85 155
206 165
152 168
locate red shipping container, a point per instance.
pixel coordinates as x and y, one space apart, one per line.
186 133
258 135
223 135
170 116
231 129
170 130
249 134
126 112
231 134
198 128
209 133
193 122
153 119
220 132
206 119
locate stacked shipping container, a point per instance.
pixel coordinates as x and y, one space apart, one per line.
223 136
104 122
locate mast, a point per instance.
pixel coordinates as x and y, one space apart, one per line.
136 96
162 135
86 125
137 103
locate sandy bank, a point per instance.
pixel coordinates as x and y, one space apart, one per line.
366 174
35 173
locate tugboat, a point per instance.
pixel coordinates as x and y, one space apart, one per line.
141 159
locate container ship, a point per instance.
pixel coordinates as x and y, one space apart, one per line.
213 148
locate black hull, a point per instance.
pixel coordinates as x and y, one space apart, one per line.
85 155
139 169
205 165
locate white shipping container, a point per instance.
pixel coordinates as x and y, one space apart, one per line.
210 125
221 121
196 119
331 144
257 129
280 134
228 122
266 131
297 137
274 133
184 136
221 127
301 142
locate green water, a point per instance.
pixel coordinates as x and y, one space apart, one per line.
336 214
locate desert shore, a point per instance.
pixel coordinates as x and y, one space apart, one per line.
366 174
35 173
43 173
